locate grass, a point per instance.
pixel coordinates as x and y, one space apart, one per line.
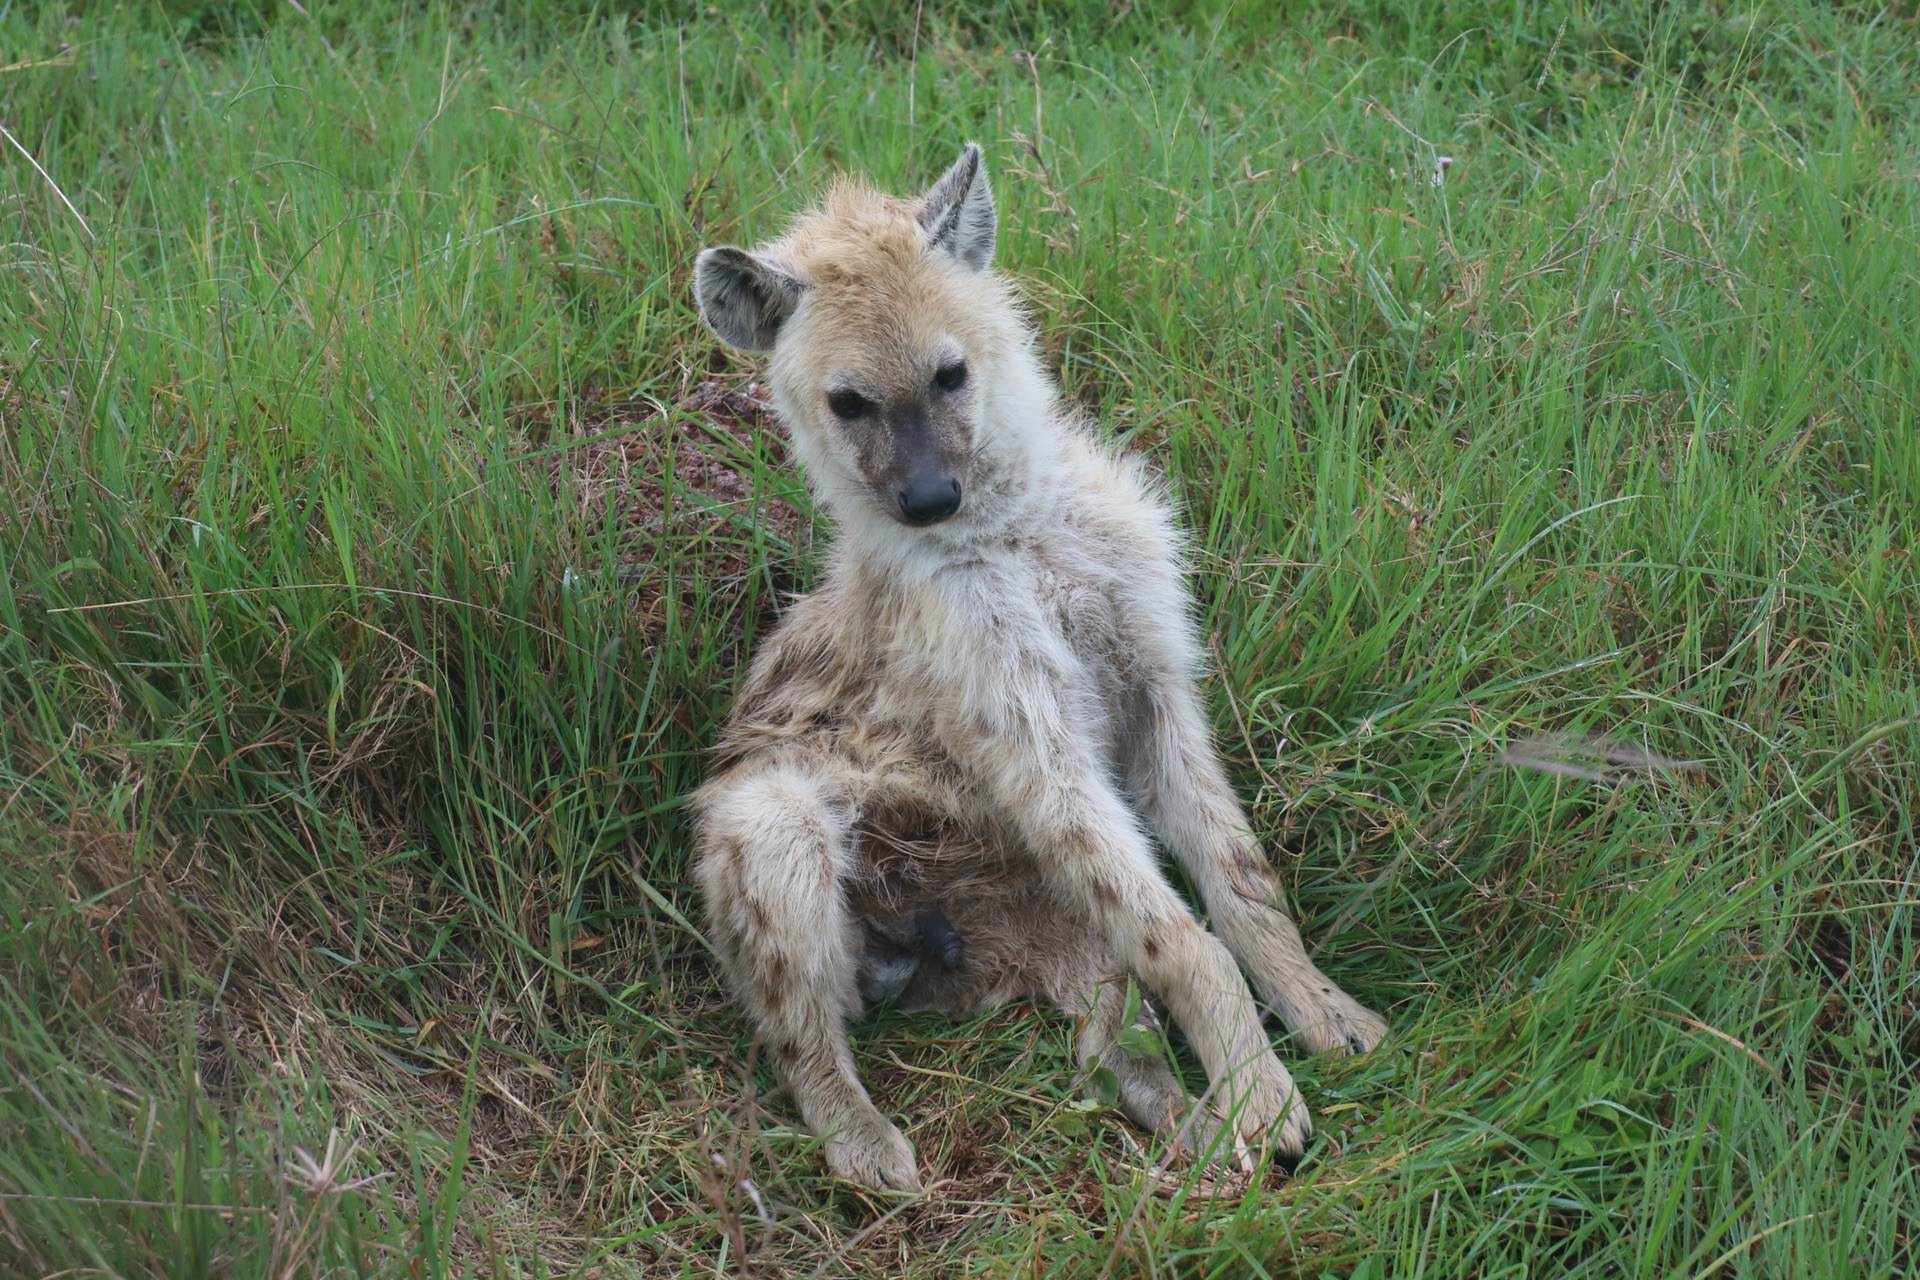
346 701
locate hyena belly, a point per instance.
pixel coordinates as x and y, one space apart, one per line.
962 922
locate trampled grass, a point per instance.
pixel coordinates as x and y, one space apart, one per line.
345 701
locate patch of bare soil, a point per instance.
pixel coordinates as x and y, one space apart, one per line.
686 485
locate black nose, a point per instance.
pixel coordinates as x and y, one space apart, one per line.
930 499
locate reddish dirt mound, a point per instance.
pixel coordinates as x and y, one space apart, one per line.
681 484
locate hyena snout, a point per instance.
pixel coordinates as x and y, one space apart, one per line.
923 485
929 498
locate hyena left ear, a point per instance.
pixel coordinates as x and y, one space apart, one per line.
957 213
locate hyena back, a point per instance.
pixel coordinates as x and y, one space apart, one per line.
940 775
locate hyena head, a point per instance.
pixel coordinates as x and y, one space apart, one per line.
890 342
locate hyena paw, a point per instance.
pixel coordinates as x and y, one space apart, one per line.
1334 1022
1288 1140
1322 1017
1201 1135
1267 1111
1211 1142
867 1149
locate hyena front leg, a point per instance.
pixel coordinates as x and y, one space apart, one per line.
1017 724
1178 779
1092 852
772 853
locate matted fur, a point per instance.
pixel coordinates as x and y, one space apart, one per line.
985 716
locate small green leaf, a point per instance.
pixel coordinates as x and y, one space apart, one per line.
1072 1124
1104 1085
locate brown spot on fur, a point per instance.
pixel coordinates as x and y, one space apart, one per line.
787 1053
1151 946
1249 878
772 1001
762 923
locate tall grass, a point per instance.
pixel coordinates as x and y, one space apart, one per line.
346 703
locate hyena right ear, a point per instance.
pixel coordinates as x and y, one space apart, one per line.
957 213
743 297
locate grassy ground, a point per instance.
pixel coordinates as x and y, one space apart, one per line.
345 702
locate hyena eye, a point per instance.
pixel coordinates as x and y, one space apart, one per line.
848 404
950 375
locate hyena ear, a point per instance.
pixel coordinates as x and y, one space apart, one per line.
743 297
957 213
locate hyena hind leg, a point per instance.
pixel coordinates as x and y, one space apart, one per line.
773 850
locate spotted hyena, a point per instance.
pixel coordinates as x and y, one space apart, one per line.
941 779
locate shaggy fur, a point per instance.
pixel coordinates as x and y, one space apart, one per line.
940 776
